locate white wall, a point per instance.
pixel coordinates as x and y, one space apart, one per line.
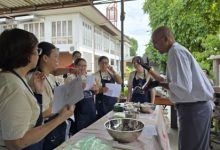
77 36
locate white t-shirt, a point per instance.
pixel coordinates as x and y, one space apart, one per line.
18 108
138 76
105 75
187 81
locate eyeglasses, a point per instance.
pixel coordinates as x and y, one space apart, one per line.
82 65
39 51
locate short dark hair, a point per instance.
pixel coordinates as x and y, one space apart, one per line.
75 52
16 48
76 62
135 58
101 58
46 50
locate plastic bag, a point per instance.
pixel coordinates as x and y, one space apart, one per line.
90 143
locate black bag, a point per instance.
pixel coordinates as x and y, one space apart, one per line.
56 136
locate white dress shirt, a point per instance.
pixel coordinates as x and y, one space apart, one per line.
187 82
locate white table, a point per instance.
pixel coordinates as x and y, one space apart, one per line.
144 142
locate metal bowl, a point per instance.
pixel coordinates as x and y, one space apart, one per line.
124 130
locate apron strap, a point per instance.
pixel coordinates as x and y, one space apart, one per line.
29 89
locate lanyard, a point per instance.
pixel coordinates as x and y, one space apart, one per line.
15 73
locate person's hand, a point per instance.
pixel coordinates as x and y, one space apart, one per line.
95 89
66 112
83 85
152 84
145 66
111 70
103 89
75 70
37 82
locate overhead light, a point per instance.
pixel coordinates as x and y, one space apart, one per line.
25 18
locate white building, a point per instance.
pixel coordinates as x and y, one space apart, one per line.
79 28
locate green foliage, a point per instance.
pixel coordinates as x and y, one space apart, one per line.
156 57
127 71
211 44
134 46
125 93
195 24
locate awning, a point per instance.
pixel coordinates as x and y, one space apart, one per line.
18 6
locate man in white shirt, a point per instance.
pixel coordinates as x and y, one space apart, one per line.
189 89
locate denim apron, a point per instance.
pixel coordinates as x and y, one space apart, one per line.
85 111
138 94
39 145
104 104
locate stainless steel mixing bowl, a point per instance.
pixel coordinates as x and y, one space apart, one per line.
124 130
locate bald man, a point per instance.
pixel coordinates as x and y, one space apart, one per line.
189 89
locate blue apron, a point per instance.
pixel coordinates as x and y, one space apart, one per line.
104 104
58 135
85 111
139 95
39 145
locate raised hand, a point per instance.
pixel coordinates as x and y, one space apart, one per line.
95 88
145 66
37 82
111 70
103 89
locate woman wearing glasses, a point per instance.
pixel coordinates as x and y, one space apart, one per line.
21 120
106 74
47 64
136 80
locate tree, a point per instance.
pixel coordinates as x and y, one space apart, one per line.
195 24
134 47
